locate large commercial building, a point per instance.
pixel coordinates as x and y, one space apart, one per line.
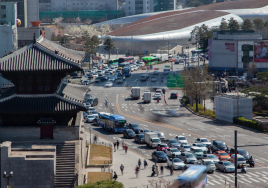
153 31
133 7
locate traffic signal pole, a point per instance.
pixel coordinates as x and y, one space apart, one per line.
235 145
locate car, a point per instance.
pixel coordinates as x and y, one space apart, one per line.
202 146
139 138
155 73
144 130
181 139
118 71
242 152
222 155
100 72
153 79
135 67
160 135
110 71
166 72
225 166
198 152
88 95
115 76
160 155
188 157
203 141
184 148
96 121
95 113
90 118
91 109
240 78
172 143
173 95
98 79
211 157
92 102
129 133
210 165
108 84
173 152
240 160
85 115
119 81
162 147
177 163
88 105
104 78
158 91
157 96
95 75
218 145
86 82
111 79
135 127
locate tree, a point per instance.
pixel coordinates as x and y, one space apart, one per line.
247 25
103 184
258 24
109 45
219 1
224 25
200 36
91 44
233 24
197 83
263 76
88 21
77 20
57 21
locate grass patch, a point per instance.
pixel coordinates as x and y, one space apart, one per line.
100 154
202 111
93 177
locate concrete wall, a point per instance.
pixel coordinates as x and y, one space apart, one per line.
26 173
32 11
6 39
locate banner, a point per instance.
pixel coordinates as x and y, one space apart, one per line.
260 51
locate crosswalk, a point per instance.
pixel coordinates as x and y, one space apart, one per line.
254 178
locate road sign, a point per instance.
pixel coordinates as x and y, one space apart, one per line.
167 66
175 81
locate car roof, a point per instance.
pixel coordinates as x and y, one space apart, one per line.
221 151
238 155
194 147
207 160
160 152
180 136
218 141
173 92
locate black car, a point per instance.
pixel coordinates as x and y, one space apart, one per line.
135 127
242 152
104 78
174 95
93 101
142 131
172 143
160 155
139 138
129 133
218 145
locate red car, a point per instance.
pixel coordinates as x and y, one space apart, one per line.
162 147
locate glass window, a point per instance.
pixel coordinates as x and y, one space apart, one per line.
96 3
3 6
3 16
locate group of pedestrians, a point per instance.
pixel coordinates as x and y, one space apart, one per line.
116 146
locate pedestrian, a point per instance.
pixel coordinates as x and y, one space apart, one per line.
139 163
156 170
95 139
123 145
162 170
122 169
137 171
114 146
155 161
171 170
117 144
145 163
208 149
153 171
115 176
126 148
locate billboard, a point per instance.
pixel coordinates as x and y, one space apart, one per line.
260 51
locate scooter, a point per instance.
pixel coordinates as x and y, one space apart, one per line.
251 164
243 168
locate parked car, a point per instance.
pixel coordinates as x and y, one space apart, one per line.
184 148
172 143
93 101
95 113
181 139
174 95
225 166
162 147
177 163
198 152
202 146
242 152
222 155
203 141
160 155
210 165
211 157
173 152
139 138
218 145
135 127
129 133
188 157
85 115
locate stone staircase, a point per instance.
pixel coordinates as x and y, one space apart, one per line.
65 165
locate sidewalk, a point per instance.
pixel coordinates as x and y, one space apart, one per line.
130 161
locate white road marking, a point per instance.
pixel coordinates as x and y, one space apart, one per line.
133 112
215 181
210 183
253 179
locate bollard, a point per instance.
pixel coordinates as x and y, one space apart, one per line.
225 181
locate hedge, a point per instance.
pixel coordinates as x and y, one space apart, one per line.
247 123
207 112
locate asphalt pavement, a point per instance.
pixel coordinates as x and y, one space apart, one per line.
187 124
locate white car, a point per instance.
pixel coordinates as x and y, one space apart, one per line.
157 96
174 151
112 79
95 75
91 109
185 148
203 141
86 82
181 139
240 159
95 113
135 67
200 145
108 84
90 118
177 163
95 69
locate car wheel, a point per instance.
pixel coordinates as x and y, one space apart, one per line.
224 170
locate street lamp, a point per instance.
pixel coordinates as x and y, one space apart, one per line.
213 93
8 176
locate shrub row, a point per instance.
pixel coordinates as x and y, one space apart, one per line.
247 123
207 112
260 114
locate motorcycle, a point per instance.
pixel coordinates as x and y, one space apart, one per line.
252 164
243 168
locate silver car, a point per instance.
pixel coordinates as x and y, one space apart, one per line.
211 157
188 157
177 163
184 148
225 166
210 165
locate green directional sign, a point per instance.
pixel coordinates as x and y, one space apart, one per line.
175 81
167 66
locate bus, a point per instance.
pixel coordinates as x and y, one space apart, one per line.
126 71
112 61
129 59
112 122
150 60
195 177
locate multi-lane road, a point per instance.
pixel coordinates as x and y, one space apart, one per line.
187 124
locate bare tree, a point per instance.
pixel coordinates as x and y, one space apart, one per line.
77 20
88 21
57 21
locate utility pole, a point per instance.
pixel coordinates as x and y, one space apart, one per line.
131 44
235 142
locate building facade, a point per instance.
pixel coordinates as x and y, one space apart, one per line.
78 5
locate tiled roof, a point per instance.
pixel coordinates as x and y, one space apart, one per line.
36 58
45 104
72 55
73 92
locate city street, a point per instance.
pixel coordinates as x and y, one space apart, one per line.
187 124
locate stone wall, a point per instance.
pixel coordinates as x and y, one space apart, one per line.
27 173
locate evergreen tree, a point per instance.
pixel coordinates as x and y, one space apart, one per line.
91 44
247 25
258 24
233 24
109 45
224 25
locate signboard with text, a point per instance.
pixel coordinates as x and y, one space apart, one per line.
260 51
175 81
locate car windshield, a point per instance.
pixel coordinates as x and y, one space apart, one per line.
222 145
177 160
89 100
172 141
189 156
90 116
187 146
223 154
135 125
174 150
200 145
243 152
204 140
198 150
141 136
227 163
161 154
240 159
94 112
129 131
182 138
155 140
163 145
209 163
121 123
212 157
